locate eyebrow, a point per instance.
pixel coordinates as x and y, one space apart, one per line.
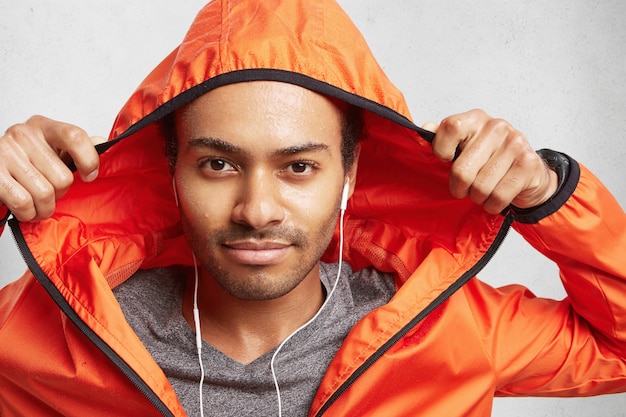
227 147
307 147
213 143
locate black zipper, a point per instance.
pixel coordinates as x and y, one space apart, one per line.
469 274
140 384
45 281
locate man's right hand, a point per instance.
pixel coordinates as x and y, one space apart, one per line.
33 170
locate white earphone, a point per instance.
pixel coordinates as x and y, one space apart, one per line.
174 188
342 209
196 313
196 322
344 194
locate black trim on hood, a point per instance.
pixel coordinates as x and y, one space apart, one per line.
265 74
188 96
441 298
65 307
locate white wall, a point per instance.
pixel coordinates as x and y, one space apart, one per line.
555 69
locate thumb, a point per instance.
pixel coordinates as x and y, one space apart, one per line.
97 140
431 126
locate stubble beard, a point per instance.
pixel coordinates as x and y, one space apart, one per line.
259 283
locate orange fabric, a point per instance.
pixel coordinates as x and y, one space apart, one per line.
481 342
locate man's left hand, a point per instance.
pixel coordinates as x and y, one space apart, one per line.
493 163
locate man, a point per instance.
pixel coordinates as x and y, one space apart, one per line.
252 190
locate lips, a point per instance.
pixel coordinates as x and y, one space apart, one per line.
252 252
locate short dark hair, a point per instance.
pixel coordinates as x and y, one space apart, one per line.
351 129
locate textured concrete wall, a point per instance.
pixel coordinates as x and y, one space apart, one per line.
556 70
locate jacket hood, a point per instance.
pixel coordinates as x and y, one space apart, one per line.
401 207
400 219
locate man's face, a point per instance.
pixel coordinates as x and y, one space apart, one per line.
259 177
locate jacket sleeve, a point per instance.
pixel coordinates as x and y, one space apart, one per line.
576 346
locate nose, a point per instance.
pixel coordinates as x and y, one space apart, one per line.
260 202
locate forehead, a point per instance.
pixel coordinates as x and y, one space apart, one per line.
261 115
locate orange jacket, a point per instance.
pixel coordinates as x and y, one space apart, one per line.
443 346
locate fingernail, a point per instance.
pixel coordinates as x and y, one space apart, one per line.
91 176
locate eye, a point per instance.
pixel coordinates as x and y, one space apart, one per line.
216 164
301 167
217 167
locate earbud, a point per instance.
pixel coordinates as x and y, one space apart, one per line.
174 188
344 194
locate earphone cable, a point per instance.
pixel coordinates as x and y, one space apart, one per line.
196 320
312 319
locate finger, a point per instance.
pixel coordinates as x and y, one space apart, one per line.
27 194
430 126
510 172
72 140
498 182
56 177
40 158
97 140
16 198
469 175
485 159
454 132
32 174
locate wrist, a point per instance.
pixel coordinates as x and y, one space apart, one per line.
567 173
559 166
552 182
547 184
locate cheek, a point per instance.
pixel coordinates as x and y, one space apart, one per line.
315 206
201 205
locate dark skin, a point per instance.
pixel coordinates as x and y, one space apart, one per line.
260 243
496 166
279 197
33 172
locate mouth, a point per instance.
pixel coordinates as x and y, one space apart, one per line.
257 253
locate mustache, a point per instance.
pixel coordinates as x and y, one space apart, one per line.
241 232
